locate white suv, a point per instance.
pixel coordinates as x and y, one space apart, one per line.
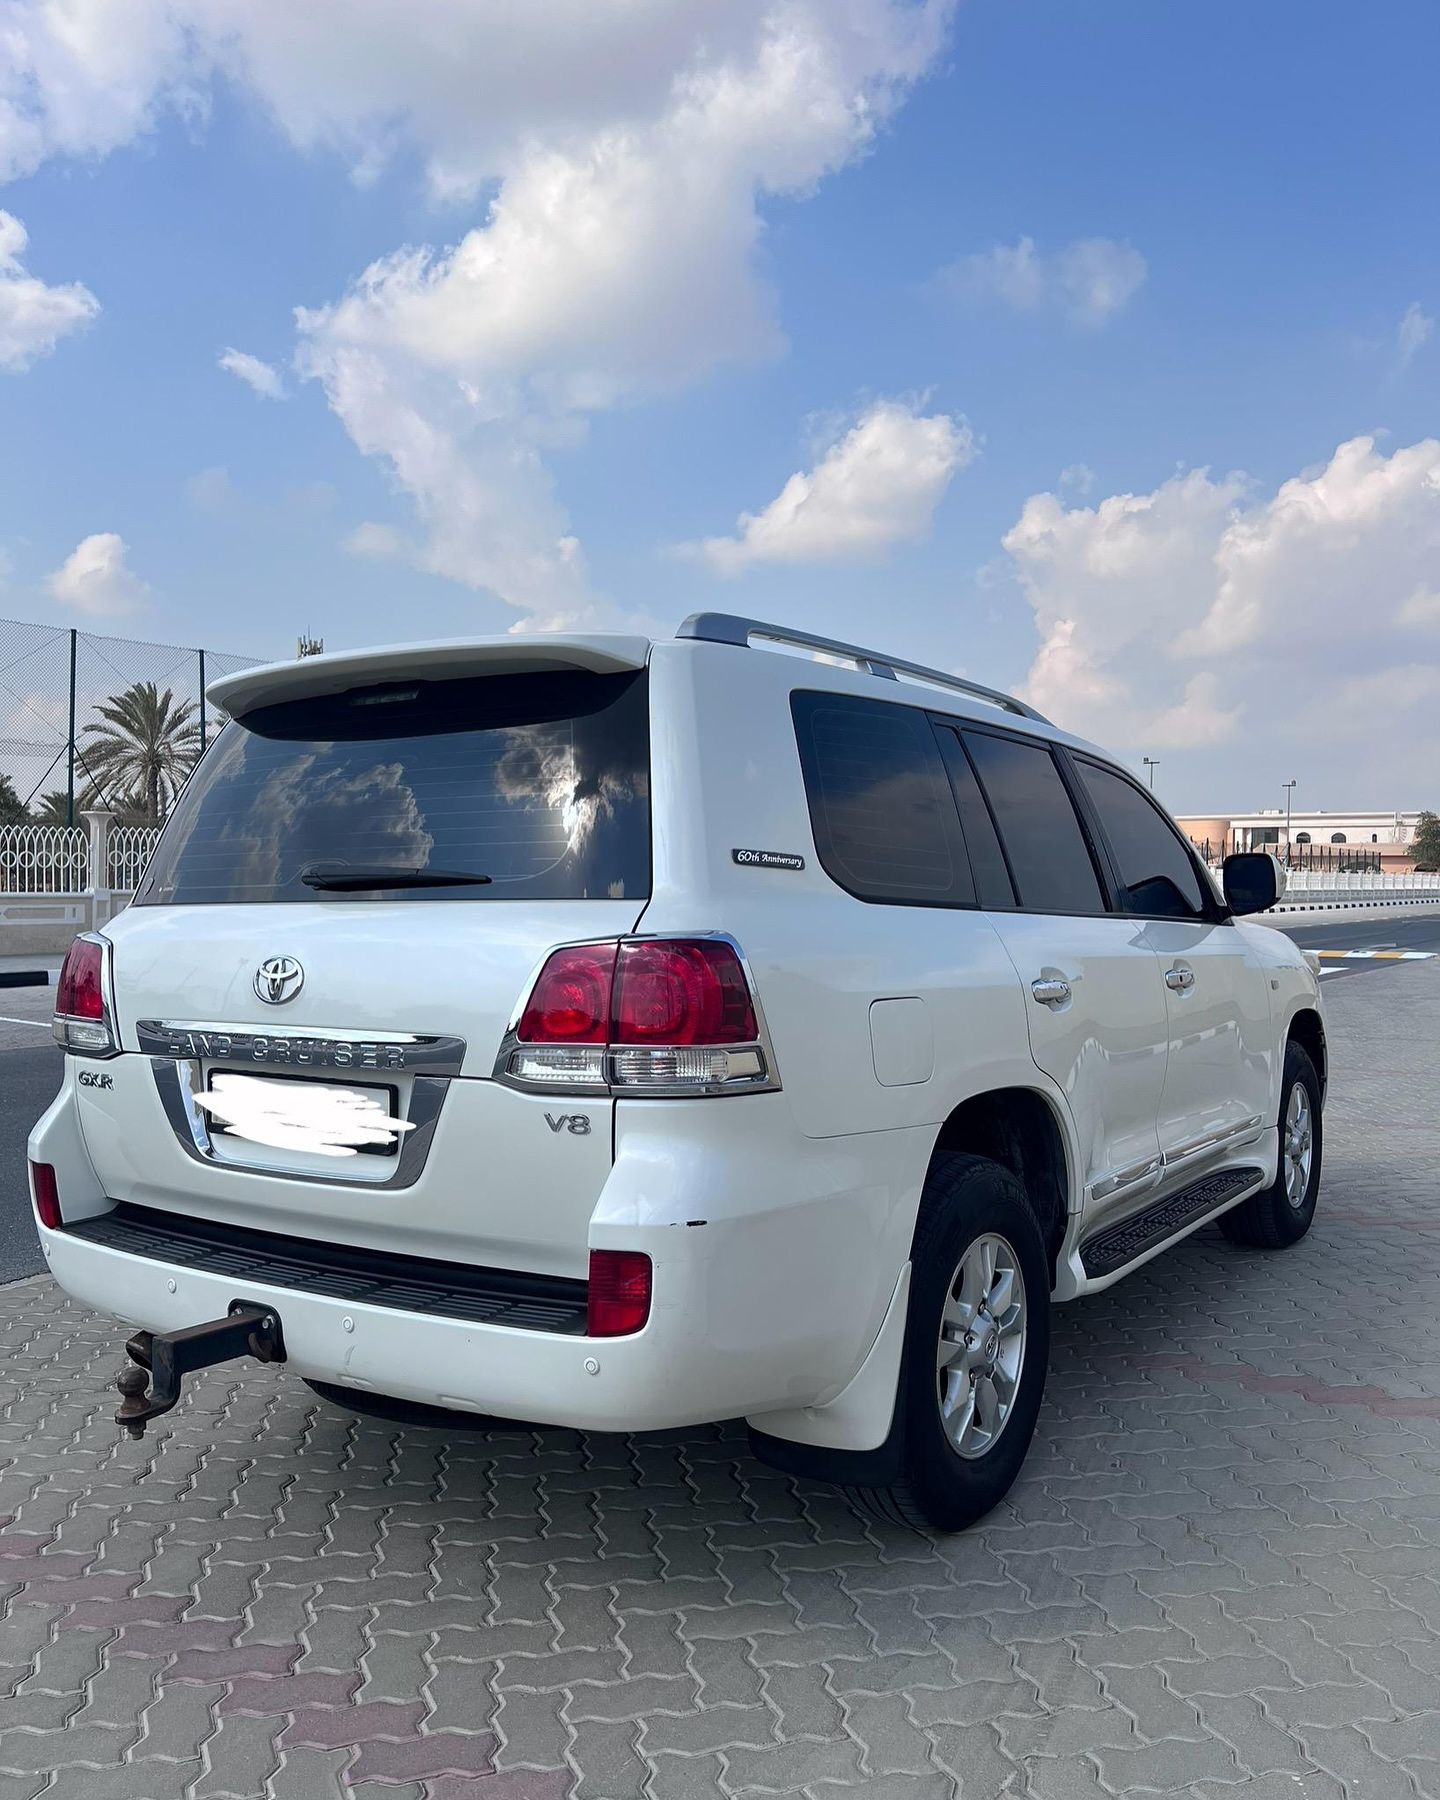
625 1035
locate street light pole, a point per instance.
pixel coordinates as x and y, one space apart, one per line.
1289 795
1151 763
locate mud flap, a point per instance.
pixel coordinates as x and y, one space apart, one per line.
166 1357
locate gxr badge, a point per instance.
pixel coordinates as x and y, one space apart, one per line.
577 1124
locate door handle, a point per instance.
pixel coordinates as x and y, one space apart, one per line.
1050 993
1180 980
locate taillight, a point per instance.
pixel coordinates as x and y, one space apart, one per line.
619 1292
570 1003
682 993
655 1016
82 1017
47 1195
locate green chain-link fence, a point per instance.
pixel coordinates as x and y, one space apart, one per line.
90 720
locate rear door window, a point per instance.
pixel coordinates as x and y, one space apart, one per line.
881 809
1155 869
987 860
1045 843
504 787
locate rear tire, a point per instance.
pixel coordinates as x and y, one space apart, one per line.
977 1342
1286 1210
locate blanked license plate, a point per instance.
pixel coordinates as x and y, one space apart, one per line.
287 1112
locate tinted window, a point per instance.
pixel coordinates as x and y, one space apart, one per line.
880 805
987 859
1038 826
540 782
1154 867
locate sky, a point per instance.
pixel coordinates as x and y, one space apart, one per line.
1090 351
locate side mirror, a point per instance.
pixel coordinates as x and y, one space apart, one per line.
1253 881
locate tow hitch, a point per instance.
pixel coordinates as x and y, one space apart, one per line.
167 1356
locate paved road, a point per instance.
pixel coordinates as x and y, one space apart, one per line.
1219 1573
1414 934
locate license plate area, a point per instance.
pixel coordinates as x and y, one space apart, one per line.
334 1119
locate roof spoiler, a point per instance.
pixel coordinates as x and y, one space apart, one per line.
443 659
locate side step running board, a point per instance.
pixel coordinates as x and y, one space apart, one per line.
1116 1245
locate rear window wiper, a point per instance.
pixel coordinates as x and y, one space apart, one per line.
345 878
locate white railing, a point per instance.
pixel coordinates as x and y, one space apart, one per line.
1365 881
130 847
44 859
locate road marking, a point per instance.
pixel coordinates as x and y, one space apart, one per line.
1377 955
39 1024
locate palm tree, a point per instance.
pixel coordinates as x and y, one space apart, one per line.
139 757
51 808
13 810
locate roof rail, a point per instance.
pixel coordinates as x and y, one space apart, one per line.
729 628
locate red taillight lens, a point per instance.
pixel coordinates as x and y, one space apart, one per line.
619 1292
570 1003
78 992
649 1017
679 992
47 1195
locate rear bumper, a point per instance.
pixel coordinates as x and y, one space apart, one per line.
443 1362
774 1258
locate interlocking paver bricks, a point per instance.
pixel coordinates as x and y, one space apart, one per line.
1219 1574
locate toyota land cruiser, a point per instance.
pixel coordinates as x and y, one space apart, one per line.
624 1035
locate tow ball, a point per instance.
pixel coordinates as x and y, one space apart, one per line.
159 1360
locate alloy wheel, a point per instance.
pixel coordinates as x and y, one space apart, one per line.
1298 1144
981 1353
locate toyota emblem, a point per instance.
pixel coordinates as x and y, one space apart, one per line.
278 979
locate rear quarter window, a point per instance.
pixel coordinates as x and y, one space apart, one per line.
540 783
881 808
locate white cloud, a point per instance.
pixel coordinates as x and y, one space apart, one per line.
34 317
81 77
612 265
94 578
1077 478
262 376
374 540
1090 279
1412 334
1422 609
211 490
1204 614
624 151
875 486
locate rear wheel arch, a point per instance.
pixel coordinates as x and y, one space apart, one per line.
1020 1129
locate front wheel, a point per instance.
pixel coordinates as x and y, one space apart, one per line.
1285 1211
977 1343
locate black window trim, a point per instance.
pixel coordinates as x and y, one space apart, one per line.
944 722
1102 856
1098 851
1212 912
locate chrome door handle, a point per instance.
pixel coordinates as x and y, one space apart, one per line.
1050 993
1180 981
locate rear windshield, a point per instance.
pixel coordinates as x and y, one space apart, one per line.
540 783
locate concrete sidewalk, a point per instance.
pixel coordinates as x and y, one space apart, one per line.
1220 1571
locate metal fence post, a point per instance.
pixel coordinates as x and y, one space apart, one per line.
70 759
201 655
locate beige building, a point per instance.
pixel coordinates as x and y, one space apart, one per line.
1322 837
